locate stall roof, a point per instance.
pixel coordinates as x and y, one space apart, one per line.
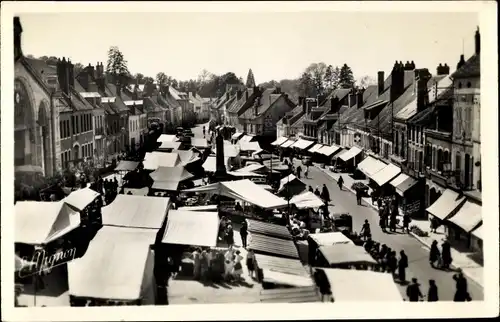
81 198
114 266
315 148
249 146
244 174
289 179
196 228
136 192
369 166
332 238
346 254
385 175
188 156
351 153
302 144
275 165
281 265
305 200
154 160
210 164
244 190
272 276
399 180
236 136
136 212
448 202
279 141
349 285
169 145
40 222
230 151
468 217
287 144
199 208
328 150
167 138
291 295
268 229
252 168
405 185
199 143
273 246
173 174
478 232
247 138
126 165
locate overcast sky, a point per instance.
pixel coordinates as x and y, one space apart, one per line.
274 45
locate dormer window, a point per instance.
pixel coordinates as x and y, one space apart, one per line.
469 84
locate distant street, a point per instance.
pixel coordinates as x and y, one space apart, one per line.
418 255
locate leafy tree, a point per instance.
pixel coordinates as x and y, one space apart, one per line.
77 68
250 79
204 76
346 77
161 78
139 78
306 85
366 81
331 79
117 65
148 80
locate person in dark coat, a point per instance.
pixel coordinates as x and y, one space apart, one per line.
402 265
244 234
446 255
382 221
325 194
392 225
434 224
358 196
406 223
461 293
229 235
432 294
298 170
365 230
311 189
413 291
374 197
434 253
316 192
392 262
340 182
382 257
379 203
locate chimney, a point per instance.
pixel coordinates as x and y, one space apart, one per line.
239 94
443 70
407 66
422 77
246 95
71 75
62 75
303 103
461 62
359 98
352 99
477 42
398 81
18 29
380 82
278 90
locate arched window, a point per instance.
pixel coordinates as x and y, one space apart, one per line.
24 126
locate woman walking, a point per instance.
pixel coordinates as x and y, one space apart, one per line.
250 263
434 254
237 268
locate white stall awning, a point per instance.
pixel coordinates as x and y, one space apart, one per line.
315 148
468 217
351 153
302 144
446 204
369 166
279 141
328 150
196 228
385 175
287 144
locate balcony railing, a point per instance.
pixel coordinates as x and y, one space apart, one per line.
437 134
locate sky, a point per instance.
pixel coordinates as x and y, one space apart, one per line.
275 45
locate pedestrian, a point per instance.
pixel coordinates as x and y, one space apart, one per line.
250 263
432 294
311 189
204 265
461 293
382 221
374 197
434 254
203 132
392 225
325 194
358 197
392 262
365 230
434 224
229 235
316 191
402 265
196 264
244 234
340 182
379 202
306 173
413 291
446 254
298 171
382 258
237 268
406 223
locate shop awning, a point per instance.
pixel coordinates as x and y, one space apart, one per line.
328 150
199 208
315 148
262 244
283 271
302 144
478 232
403 183
168 178
210 164
287 144
369 166
279 141
306 200
328 239
81 198
169 145
448 202
195 228
118 265
126 166
385 175
349 285
268 229
154 160
249 146
246 138
236 136
290 295
199 143
351 153
167 138
40 222
244 190
346 254
468 217
136 212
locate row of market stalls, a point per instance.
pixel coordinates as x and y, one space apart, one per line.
322 153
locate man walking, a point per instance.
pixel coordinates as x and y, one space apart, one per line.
244 234
413 291
402 265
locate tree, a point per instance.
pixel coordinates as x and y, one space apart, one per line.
346 77
77 68
250 79
331 79
148 80
117 65
204 76
317 73
306 85
139 78
366 81
161 78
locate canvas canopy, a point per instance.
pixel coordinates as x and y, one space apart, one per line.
349 285
244 190
245 174
369 166
169 145
118 265
302 144
126 166
154 160
315 148
81 198
306 200
236 136
253 168
210 164
346 254
196 228
187 156
332 238
230 151
328 150
288 180
199 208
168 178
249 146
287 144
385 175
199 143
478 232
447 203
167 138
136 212
468 217
246 138
40 222
349 154
279 141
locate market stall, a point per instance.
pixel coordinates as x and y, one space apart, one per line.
169 178
279 271
154 160
344 256
291 186
194 228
